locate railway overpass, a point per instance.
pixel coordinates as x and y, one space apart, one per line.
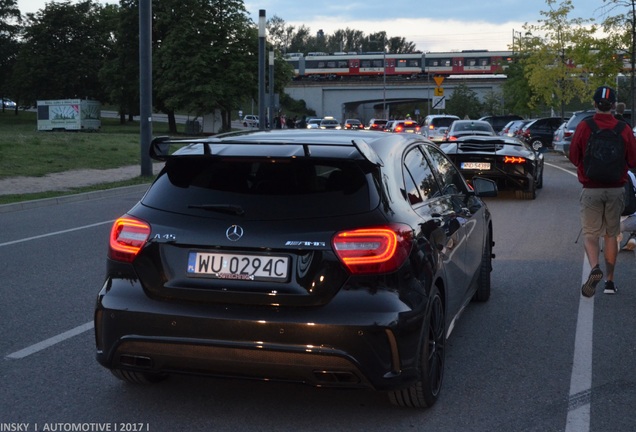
367 99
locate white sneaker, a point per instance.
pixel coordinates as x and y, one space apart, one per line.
630 245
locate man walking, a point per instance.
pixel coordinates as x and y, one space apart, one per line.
602 197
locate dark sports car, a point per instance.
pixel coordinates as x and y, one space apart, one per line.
333 258
512 163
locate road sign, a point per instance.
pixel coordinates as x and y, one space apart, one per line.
439 102
438 80
439 91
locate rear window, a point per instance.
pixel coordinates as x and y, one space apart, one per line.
577 118
262 188
442 121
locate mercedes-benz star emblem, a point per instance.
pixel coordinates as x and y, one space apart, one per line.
234 233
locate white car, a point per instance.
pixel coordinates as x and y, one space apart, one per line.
250 121
330 123
313 123
8 103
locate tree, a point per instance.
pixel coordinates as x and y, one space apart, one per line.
562 60
120 72
205 57
464 102
9 44
622 29
63 50
492 103
516 89
279 34
286 39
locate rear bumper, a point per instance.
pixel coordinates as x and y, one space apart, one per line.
371 343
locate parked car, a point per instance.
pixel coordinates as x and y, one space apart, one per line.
352 124
330 123
319 257
461 128
376 124
498 122
539 133
404 126
512 163
513 127
434 126
250 121
562 141
8 103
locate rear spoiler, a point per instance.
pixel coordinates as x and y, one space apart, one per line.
163 148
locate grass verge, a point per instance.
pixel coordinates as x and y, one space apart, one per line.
10 199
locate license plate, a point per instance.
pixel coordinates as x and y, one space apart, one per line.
238 266
483 166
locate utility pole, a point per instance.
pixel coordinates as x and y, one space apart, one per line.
261 71
145 84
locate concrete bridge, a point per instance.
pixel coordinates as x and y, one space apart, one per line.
372 98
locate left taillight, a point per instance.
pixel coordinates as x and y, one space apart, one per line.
374 250
127 237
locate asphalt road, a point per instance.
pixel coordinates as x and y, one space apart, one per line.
536 357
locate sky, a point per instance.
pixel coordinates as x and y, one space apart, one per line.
435 26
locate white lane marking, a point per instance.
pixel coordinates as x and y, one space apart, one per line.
578 419
579 406
62 336
9 243
50 341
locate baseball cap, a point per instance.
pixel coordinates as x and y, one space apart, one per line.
605 93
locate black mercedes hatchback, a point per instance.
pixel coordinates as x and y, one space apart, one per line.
331 258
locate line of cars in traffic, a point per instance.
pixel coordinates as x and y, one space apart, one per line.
473 145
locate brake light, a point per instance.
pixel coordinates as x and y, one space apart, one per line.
127 237
514 160
374 250
399 128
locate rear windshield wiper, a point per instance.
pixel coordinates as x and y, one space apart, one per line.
221 208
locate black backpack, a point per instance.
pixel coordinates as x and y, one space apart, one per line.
630 197
604 159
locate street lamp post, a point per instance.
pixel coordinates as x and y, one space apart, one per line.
145 84
270 117
261 69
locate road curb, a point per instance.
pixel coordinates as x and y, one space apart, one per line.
85 196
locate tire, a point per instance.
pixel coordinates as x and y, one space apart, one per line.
540 181
134 377
536 144
483 281
430 368
529 194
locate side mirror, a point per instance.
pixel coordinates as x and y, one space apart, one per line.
484 187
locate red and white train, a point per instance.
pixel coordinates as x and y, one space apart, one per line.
355 65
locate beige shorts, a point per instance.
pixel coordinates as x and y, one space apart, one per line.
601 211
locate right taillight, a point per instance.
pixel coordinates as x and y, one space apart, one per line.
127 237
374 250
